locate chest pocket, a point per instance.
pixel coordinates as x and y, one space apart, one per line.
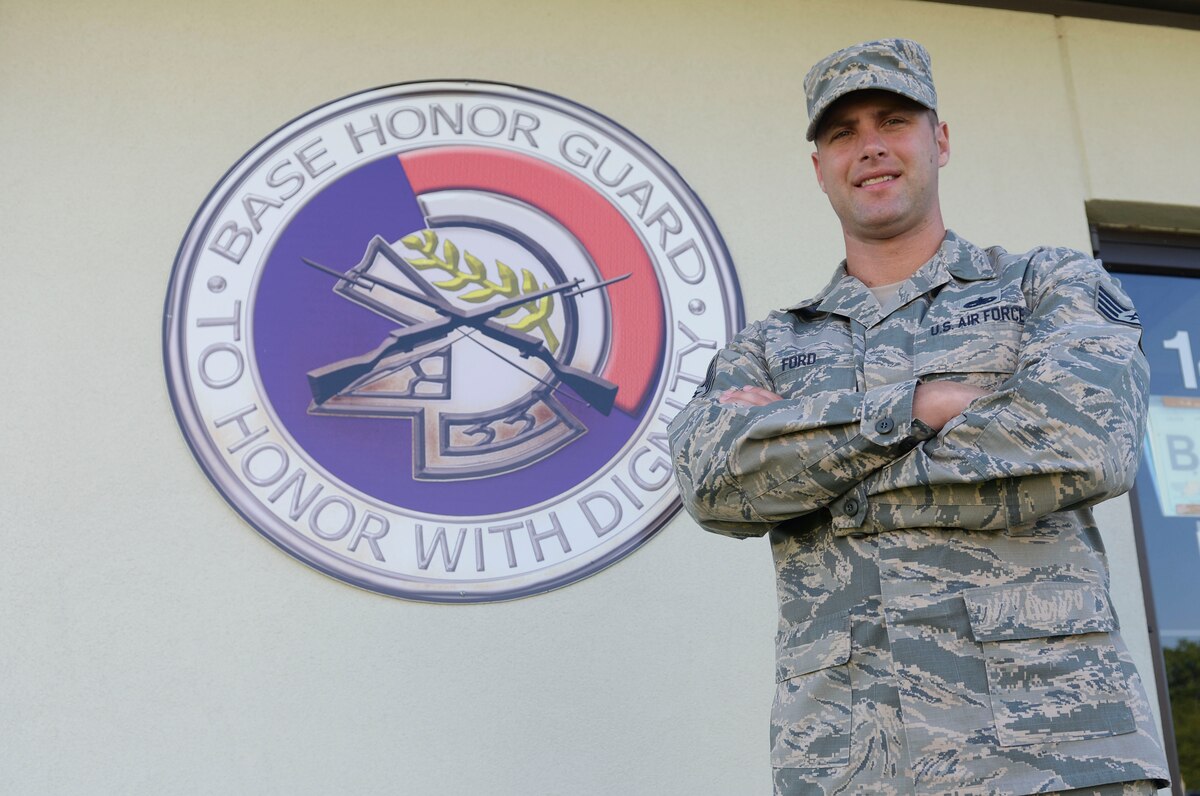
812 356
971 338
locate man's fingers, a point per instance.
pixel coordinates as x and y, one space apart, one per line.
748 396
761 395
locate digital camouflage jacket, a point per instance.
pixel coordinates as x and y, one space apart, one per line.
945 623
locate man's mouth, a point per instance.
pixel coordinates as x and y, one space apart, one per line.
877 180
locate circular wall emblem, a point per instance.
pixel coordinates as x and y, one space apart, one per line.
427 338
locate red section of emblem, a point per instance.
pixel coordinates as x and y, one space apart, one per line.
637 312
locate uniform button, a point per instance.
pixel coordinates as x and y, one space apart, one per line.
885 425
850 507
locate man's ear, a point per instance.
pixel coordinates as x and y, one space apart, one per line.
941 134
816 161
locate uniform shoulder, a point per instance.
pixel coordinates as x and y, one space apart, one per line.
1043 265
773 318
1039 256
750 335
755 332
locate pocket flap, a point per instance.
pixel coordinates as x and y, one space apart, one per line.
1036 610
816 644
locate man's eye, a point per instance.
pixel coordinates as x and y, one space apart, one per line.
839 134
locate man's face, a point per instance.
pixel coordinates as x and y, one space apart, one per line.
877 160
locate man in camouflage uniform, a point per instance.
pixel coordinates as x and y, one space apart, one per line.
923 440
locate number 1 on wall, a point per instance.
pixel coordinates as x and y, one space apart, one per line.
1182 343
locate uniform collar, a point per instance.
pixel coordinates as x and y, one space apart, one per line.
845 295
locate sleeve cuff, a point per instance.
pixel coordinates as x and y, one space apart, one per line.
887 415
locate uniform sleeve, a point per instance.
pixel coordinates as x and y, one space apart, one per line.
742 470
1063 432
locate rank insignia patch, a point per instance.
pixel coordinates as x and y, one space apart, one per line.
1115 309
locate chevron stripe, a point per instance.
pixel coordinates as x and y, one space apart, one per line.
1111 307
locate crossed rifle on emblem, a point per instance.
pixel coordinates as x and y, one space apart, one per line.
328 381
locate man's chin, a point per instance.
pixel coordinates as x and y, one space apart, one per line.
884 229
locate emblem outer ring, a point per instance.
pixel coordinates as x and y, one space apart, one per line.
196 426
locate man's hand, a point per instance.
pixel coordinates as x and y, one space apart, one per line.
935 402
748 396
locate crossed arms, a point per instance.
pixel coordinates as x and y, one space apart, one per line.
1063 431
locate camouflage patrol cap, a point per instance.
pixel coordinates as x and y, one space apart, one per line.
897 65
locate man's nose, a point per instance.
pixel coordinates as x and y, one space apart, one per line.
873 145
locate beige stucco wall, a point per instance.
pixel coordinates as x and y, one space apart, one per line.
153 643
1137 101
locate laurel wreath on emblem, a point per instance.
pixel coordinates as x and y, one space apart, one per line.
538 311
